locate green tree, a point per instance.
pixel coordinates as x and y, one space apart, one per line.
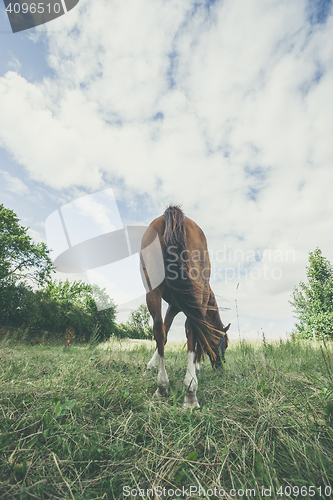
140 318
64 304
56 306
20 258
22 262
61 305
137 326
313 301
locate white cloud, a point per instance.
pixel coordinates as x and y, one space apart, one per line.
14 184
14 64
241 96
36 236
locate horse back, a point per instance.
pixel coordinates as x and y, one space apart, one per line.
197 256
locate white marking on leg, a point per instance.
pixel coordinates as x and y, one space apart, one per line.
162 377
191 383
197 368
190 380
152 362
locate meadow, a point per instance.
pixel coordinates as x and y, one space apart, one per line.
82 422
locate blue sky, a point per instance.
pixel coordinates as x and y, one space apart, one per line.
223 107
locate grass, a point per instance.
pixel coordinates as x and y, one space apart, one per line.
82 423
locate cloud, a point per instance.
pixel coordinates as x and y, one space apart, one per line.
36 236
14 64
14 184
227 110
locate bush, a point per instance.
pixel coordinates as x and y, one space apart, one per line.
57 307
137 327
313 301
139 321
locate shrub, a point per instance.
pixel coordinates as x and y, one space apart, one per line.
59 306
313 301
137 326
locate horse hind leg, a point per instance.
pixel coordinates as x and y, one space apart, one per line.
190 380
154 306
151 363
162 378
172 311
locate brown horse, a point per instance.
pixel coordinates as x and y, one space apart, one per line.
180 275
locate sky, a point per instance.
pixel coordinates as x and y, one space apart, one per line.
224 107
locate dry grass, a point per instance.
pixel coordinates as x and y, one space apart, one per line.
82 423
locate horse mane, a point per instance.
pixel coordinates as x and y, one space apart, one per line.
183 288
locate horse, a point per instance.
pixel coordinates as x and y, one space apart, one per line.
180 275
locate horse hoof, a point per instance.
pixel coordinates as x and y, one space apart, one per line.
150 366
191 401
162 392
191 406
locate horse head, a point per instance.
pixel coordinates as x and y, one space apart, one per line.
219 353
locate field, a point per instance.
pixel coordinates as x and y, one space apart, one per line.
82 423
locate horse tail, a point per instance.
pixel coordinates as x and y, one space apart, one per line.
183 288
215 319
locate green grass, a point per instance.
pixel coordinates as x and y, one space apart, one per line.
83 423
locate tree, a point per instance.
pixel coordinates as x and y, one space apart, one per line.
137 326
140 318
22 262
59 304
64 304
313 301
20 258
